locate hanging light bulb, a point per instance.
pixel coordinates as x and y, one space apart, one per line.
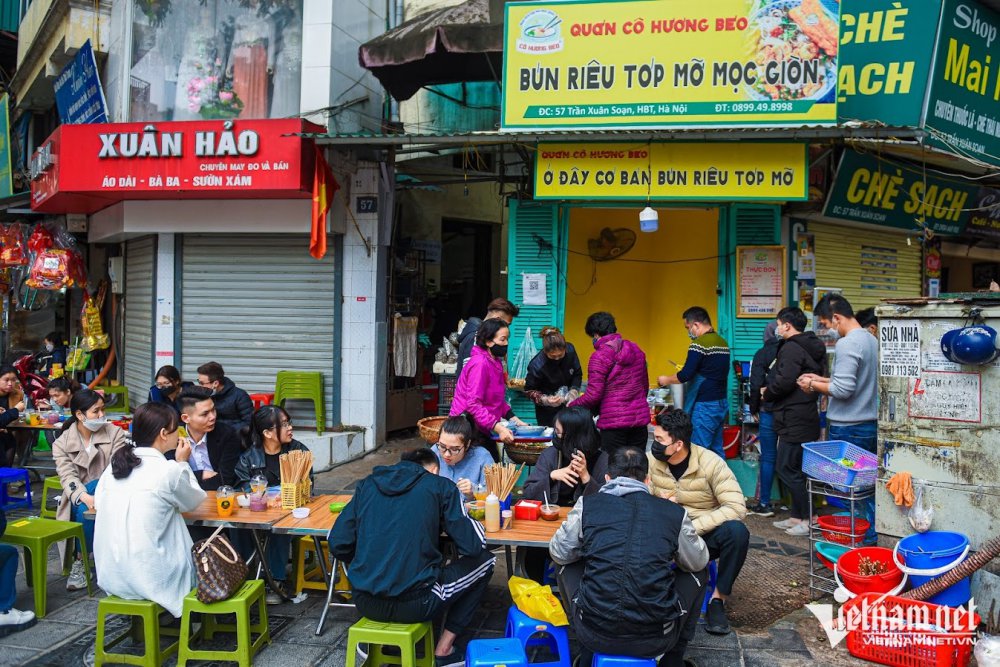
649 220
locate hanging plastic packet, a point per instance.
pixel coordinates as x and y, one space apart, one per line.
13 246
94 337
518 368
921 515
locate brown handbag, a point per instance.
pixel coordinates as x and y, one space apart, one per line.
221 571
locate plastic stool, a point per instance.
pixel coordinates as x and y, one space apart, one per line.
149 612
522 627
260 400
36 536
495 653
252 591
312 578
51 483
406 636
601 660
304 385
116 390
713 577
7 476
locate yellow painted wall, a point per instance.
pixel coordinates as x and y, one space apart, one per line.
646 299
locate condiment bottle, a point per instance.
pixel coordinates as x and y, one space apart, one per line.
492 514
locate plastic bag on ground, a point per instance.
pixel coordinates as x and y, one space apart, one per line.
537 601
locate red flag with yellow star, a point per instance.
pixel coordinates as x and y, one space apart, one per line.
325 186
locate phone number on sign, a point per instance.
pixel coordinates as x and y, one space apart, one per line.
752 107
900 370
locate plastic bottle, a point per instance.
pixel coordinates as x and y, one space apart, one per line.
492 513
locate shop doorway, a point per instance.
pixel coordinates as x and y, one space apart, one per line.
647 286
468 265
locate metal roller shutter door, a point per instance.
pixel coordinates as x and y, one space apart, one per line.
868 265
140 270
258 304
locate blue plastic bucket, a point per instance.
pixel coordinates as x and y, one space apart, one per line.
936 550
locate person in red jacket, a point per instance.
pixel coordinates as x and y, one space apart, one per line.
617 382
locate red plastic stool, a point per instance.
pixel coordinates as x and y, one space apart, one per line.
261 399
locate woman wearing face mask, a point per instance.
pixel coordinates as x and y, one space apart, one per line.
167 387
482 385
572 467
81 455
556 366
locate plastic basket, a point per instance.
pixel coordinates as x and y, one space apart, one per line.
838 528
877 633
295 495
822 461
446 385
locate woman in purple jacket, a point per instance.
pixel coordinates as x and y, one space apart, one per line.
482 386
617 383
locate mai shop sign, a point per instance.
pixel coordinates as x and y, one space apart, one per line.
867 189
963 107
744 171
684 63
84 168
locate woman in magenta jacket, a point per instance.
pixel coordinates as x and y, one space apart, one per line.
482 386
617 383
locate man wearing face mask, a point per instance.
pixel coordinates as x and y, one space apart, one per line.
796 416
81 454
703 484
707 368
232 404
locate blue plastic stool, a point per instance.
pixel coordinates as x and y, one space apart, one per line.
713 578
522 627
601 660
495 653
8 475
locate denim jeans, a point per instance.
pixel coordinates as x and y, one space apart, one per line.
768 456
707 418
87 521
8 568
863 435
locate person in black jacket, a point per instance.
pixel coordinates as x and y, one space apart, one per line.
556 366
574 466
233 405
215 448
389 535
623 594
796 416
500 308
762 364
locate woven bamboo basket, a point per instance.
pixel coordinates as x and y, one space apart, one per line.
430 428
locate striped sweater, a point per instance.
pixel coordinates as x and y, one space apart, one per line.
708 358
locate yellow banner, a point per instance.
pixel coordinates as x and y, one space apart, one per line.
682 63
742 171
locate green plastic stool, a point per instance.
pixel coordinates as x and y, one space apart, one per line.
149 612
304 385
119 390
51 483
406 636
252 591
36 535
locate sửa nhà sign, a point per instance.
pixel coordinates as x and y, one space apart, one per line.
685 63
84 168
743 171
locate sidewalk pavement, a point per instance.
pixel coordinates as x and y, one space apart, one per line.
65 637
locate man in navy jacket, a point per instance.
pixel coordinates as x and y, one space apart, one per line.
389 535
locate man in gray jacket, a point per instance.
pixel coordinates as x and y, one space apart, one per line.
624 595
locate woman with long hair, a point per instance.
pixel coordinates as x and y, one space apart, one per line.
167 387
555 367
81 454
142 546
459 458
268 437
573 467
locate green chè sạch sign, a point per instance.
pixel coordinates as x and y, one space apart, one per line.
882 193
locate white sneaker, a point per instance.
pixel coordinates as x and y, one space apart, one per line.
77 577
784 525
798 530
13 620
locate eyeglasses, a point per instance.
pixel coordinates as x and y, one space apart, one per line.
205 384
450 451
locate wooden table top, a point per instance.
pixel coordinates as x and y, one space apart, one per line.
319 521
207 514
528 533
